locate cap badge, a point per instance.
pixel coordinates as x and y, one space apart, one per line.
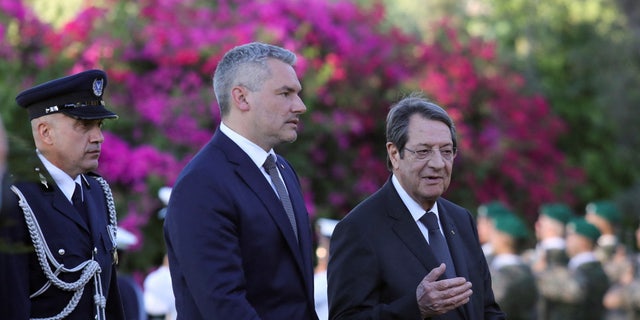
98 86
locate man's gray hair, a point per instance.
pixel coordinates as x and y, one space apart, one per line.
398 120
246 65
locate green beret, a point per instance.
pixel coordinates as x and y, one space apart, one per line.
492 209
583 227
512 225
557 211
605 209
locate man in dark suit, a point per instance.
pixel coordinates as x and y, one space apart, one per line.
62 261
237 251
405 252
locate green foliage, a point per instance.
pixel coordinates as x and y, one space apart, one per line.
353 64
583 57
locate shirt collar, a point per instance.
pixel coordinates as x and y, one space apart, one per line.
66 184
257 154
505 259
414 208
581 259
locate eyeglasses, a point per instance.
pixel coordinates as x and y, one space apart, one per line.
447 153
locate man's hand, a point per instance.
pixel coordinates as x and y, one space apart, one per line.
437 297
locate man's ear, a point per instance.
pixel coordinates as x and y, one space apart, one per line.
394 154
239 95
45 132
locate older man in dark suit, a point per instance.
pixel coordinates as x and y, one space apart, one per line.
405 252
237 231
62 265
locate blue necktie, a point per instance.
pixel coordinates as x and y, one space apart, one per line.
438 243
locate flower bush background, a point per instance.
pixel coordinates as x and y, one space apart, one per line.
160 56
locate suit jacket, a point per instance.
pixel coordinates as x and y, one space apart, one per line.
378 258
71 241
232 252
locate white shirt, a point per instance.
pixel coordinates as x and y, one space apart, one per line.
158 293
255 152
320 295
66 184
581 259
415 209
506 259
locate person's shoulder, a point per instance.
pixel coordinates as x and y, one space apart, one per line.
372 203
452 207
30 171
448 204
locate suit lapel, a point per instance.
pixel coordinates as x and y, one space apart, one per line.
456 248
454 241
62 205
304 228
406 228
255 180
51 191
96 216
407 231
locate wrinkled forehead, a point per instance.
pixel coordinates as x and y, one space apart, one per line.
427 132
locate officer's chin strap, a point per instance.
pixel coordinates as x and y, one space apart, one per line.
90 268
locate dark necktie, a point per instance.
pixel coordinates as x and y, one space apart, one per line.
438 243
78 203
272 170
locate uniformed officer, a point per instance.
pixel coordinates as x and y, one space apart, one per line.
549 253
550 236
610 251
576 292
623 298
487 212
67 215
513 282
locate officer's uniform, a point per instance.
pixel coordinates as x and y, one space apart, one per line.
512 280
576 292
67 270
609 245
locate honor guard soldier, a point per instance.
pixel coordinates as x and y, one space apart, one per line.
576 292
512 279
67 216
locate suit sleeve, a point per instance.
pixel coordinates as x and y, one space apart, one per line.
354 280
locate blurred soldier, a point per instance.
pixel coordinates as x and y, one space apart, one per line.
159 300
130 290
550 233
67 212
611 253
576 292
485 224
623 298
324 231
550 249
513 282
